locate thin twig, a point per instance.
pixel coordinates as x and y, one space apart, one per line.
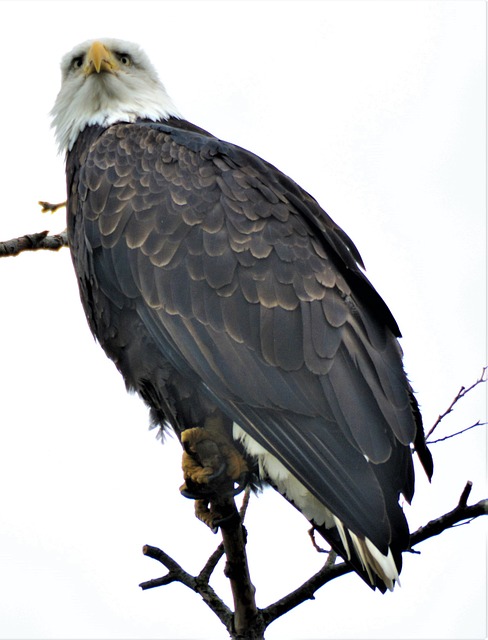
476 424
460 394
331 560
211 563
311 533
48 207
245 503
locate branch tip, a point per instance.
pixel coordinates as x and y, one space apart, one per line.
49 207
460 394
463 500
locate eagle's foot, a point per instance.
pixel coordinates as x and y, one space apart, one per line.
204 514
212 466
209 515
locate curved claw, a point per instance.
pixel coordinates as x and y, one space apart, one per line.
243 482
208 492
186 493
219 472
211 465
197 491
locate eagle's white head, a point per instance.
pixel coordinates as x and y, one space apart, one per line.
103 82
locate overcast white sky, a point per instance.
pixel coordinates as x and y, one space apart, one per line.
376 108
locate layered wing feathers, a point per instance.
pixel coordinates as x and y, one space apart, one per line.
250 289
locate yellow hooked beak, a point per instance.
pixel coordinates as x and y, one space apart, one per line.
99 59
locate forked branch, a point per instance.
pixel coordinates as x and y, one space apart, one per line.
463 391
198 584
461 513
259 619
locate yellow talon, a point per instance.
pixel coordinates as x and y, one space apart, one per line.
208 453
211 467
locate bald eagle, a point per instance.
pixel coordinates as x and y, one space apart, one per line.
225 295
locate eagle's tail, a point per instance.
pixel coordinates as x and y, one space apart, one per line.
377 569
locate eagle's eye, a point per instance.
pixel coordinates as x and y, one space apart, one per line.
124 59
77 62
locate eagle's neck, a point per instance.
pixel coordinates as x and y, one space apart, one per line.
106 101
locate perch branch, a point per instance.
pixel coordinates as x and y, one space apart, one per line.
214 559
237 571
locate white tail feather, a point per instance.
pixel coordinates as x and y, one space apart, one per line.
371 558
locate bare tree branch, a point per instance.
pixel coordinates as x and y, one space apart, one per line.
460 394
306 591
330 571
36 241
33 242
248 622
178 574
245 621
462 513
234 536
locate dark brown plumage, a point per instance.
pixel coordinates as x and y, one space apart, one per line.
220 288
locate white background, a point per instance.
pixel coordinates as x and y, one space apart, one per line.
377 109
